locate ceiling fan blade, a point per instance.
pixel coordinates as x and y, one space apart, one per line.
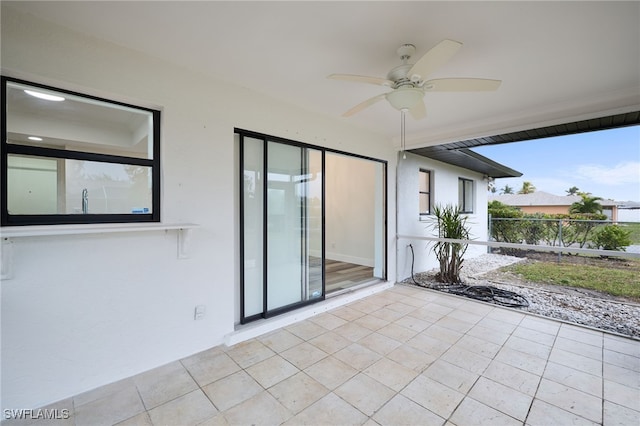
433 59
461 85
363 105
419 111
362 79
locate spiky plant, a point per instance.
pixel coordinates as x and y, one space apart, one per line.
450 223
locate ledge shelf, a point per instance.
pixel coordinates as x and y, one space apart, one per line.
46 230
7 233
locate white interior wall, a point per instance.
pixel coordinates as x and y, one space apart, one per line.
85 310
33 185
350 207
444 190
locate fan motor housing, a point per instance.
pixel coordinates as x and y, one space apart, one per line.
399 75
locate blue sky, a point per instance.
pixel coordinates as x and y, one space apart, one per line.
604 163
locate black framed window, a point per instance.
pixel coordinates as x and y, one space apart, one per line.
424 192
69 158
465 195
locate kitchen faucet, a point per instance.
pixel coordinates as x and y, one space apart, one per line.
85 201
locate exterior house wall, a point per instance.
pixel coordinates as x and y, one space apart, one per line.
82 311
545 209
444 190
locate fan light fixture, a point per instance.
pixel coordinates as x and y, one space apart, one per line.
45 96
405 98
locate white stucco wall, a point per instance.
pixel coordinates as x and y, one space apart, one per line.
444 187
85 310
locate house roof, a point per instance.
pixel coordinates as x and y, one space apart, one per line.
624 119
541 198
467 159
631 205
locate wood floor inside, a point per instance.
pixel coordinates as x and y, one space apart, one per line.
342 275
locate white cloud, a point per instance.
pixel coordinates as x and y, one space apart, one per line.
627 172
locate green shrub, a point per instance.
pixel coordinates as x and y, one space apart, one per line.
612 237
556 230
581 227
508 231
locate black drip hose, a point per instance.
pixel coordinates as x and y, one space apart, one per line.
479 292
413 258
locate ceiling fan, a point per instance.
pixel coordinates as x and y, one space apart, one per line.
409 83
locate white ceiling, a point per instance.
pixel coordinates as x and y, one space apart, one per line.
558 61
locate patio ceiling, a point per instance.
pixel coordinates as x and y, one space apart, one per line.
559 62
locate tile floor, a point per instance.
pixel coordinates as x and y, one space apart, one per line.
404 356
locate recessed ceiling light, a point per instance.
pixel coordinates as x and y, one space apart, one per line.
34 138
44 96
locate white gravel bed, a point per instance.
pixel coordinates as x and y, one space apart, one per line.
486 263
609 315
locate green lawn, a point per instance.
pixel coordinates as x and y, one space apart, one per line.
624 282
634 228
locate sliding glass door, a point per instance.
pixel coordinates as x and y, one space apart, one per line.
283 229
293 190
252 201
282 226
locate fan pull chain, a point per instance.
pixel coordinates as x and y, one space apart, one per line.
402 134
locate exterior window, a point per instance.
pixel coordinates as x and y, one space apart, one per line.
70 158
424 192
465 195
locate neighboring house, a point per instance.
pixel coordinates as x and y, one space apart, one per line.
543 202
629 211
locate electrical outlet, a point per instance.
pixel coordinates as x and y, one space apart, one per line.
199 312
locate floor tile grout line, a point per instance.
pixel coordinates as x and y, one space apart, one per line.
602 381
399 392
481 375
546 364
201 387
466 395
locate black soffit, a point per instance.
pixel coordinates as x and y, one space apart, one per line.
459 154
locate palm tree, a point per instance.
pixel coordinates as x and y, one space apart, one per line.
527 188
572 191
506 190
586 205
